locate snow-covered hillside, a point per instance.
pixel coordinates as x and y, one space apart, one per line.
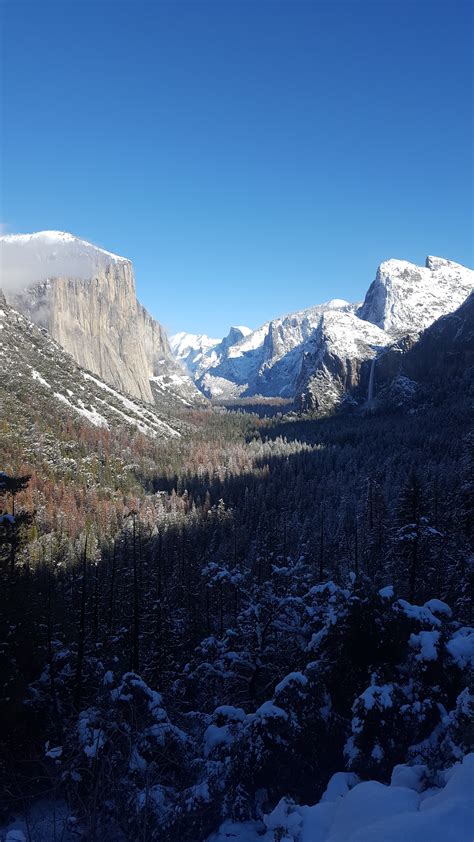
35 370
332 363
189 348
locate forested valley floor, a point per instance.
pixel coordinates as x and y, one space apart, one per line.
194 629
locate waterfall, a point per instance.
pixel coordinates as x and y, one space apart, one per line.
370 396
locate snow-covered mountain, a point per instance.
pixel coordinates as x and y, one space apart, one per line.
37 375
189 348
85 297
405 298
319 355
265 361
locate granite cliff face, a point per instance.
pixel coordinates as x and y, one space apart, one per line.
440 361
85 297
154 339
96 321
337 361
318 357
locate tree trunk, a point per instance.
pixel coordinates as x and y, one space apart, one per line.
136 606
82 626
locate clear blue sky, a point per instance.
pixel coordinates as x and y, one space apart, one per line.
252 158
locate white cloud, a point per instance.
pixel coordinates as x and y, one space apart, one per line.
31 258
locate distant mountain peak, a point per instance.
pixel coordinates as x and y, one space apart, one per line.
336 304
242 329
236 333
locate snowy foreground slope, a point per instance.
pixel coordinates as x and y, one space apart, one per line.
400 732
372 812
36 369
321 354
348 812
85 297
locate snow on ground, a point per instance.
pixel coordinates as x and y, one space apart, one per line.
92 415
244 329
46 820
144 419
147 420
404 298
168 383
372 812
268 359
37 376
349 811
190 348
146 429
183 343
